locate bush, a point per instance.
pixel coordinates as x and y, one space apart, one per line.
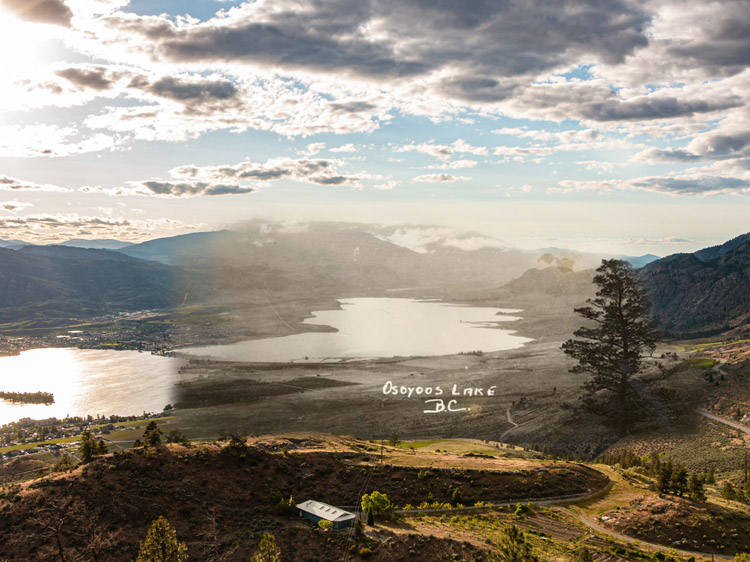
177 436
237 446
287 507
521 509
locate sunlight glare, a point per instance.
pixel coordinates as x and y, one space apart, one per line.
22 45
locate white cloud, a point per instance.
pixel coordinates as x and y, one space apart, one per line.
386 185
349 147
314 148
443 151
440 178
31 141
454 165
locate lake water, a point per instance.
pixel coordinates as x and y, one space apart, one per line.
88 381
382 327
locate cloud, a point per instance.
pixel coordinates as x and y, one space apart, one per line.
349 147
427 239
439 178
694 184
187 189
12 206
314 148
40 140
315 171
386 185
43 11
13 184
443 151
455 165
246 177
93 77
48 228
475 53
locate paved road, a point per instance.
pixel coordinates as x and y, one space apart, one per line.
725 421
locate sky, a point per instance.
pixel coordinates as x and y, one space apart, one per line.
599 125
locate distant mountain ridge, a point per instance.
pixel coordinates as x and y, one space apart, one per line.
96 243
47 282
335 257
703 293
13 244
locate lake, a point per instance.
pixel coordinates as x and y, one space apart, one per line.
88 381
106 382
382 327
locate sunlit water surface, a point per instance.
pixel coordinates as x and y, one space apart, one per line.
382 327
88 381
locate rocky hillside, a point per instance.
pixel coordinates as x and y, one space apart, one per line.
704 293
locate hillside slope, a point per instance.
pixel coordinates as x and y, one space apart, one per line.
700 294
221 504
46 282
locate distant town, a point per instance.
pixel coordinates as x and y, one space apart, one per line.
52 435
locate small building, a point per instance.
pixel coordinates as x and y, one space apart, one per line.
318 511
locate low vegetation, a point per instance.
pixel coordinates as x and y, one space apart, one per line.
28 397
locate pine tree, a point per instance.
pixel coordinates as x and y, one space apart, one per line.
664 478
101 447
612 348
267 551
87 448
728 492
695 488
161 544
679 481
710 477
512 547
152 435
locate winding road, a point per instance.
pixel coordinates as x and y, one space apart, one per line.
725 421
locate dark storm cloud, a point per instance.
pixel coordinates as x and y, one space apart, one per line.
43 11
485 46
